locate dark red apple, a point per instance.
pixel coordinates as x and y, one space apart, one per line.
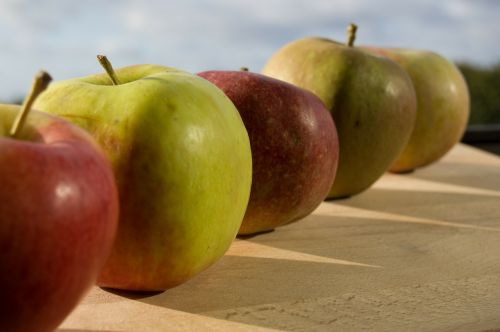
294 147
58 219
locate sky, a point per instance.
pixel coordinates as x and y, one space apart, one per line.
64 36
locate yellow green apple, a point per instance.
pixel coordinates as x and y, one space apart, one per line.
182 162
371 99
443 106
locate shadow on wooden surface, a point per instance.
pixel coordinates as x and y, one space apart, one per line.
460 210
132 295
418 263
484 176
238 280
79 330
415 241
414 252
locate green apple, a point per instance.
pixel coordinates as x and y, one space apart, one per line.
182 162
442 106
371 99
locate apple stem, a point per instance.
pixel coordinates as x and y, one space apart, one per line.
40 83
103 60
244 69
351 34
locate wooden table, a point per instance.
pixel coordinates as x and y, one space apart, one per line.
416 252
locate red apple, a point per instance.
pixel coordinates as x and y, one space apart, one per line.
294 147
58 218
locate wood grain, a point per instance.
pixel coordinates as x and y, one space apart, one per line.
416 252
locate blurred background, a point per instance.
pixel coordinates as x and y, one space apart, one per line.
63 36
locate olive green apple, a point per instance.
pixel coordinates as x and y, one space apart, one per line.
442 106
182 162
371 99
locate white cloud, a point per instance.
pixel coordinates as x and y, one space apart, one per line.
64 36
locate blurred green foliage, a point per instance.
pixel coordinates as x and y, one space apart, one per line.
17 101
484 87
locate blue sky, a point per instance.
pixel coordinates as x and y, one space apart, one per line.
63 36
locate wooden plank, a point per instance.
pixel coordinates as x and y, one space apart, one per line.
415 252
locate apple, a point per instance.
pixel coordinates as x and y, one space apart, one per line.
371 99
182 162
294 147
443 106
58 216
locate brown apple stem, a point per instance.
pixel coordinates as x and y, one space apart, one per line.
351 34
244 69
103 60
40 83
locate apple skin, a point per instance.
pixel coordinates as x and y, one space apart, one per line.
58 219
294 147
443 106
182 162
371 99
